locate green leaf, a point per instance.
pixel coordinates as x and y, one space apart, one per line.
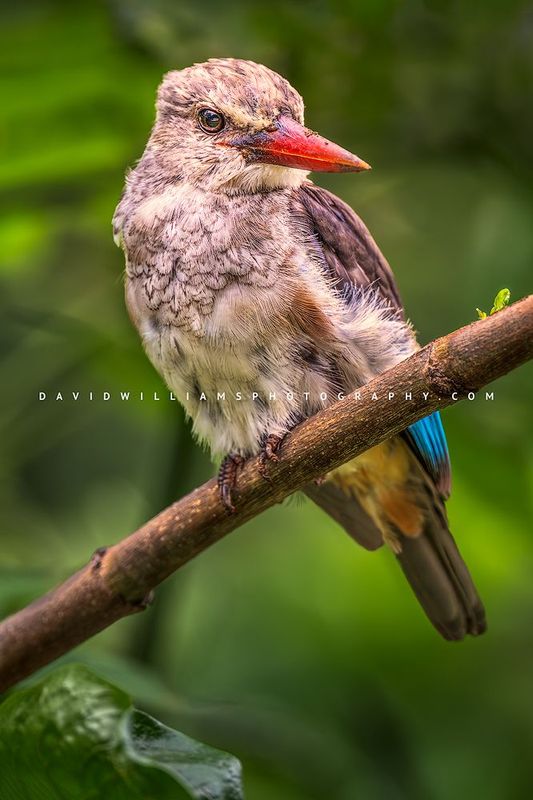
76 735
501 300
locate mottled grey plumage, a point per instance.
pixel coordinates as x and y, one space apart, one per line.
225 280
243 277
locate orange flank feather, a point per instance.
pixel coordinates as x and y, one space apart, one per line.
401 510
381 480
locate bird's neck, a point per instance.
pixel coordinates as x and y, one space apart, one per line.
261 178
155 176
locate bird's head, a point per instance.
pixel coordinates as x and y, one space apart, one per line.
236 126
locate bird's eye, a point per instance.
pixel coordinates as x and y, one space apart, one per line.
210 121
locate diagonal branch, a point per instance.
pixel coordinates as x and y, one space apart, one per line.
118 581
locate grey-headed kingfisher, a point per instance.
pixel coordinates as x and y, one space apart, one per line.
258 294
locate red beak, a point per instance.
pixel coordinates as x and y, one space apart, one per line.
289 144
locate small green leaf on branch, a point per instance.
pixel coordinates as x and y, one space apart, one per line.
501 301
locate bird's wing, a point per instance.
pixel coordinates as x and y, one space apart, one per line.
430 561
353 260
427 440
350 254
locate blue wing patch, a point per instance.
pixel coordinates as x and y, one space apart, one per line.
428 441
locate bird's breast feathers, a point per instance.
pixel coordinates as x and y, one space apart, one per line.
231 300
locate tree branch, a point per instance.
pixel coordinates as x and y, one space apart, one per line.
119 580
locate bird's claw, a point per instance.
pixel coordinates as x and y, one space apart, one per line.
227 479
269 452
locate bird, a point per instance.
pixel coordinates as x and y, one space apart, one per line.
257 294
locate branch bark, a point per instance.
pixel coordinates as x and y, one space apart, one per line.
118 581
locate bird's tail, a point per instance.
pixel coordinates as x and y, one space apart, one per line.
430 561
441 581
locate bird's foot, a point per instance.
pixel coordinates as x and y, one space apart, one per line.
227 479
269 452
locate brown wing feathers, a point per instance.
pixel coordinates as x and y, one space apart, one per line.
431 561
350 253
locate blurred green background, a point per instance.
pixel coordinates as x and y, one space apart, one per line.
285 644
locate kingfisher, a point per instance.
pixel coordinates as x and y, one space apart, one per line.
257 294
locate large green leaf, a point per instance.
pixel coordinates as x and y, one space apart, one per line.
76 735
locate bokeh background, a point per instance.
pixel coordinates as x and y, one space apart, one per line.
285 644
